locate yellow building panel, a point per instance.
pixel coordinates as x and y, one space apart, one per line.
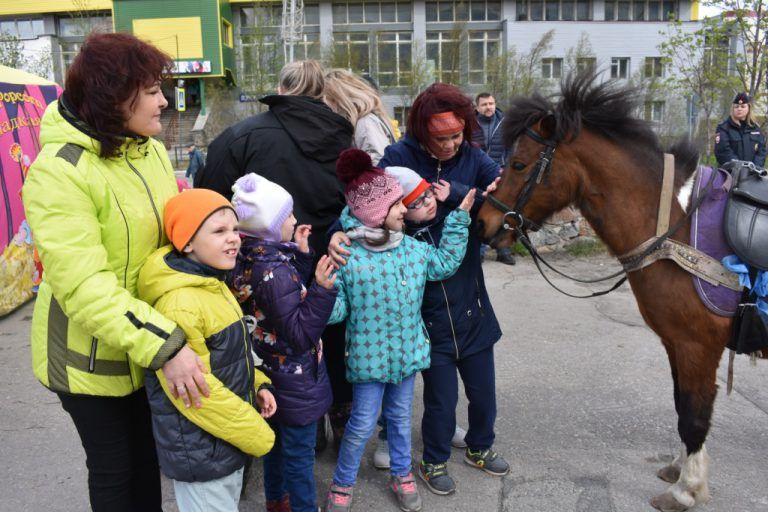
695 10
15 7
181 38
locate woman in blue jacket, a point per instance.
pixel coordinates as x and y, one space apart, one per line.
457 311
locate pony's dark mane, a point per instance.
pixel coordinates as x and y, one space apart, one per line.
604 108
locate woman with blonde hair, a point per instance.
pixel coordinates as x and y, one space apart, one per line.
356 100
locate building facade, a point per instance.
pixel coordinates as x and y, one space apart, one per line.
401 45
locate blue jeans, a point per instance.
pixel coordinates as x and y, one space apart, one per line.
289 467
394 400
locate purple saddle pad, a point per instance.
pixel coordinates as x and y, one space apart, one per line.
707 236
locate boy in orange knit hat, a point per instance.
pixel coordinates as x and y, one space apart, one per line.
203 450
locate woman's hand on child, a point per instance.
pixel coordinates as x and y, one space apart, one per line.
184 375
324 272
336 251
266 402
492 186
301 236
468 200
442 190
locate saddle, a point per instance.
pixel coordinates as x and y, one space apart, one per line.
746 213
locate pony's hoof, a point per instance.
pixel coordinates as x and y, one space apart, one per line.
668 503
669 474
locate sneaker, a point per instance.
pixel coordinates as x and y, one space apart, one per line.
437 478
408 497
505 256
458 438
339 499
487 460
381 455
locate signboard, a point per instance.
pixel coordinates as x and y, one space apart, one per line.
23 99
181 101
191 67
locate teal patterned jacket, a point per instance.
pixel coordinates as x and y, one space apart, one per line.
380 295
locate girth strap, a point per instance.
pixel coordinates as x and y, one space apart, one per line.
689 259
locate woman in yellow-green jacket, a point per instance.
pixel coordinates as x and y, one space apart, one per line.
94 200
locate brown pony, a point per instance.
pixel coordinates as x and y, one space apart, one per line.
595 155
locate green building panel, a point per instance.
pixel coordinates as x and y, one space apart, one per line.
192 32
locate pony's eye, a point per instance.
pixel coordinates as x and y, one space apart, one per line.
518 166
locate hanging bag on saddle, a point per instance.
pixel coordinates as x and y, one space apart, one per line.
746 214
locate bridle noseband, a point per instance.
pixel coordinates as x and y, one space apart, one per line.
522 224
515 213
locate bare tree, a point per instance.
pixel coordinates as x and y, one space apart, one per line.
699 63
512 73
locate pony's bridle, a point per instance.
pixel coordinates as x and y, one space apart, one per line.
515 213
522 224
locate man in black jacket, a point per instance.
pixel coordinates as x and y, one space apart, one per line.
488 138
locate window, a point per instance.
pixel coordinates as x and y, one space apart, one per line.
394 55
551 68
351 51
619 67
444 52
260 58
654 67
640 10
483 44
68 53
654 111
370 12
463 10
554 10
226 33
401 116
83 25
586 64
22 29
308 47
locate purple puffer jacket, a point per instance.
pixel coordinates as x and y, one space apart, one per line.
268 280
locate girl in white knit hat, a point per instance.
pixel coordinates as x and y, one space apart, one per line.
273 282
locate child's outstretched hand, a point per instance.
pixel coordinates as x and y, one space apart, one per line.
266 402
324 272
492 186
442 189
301 237
468 200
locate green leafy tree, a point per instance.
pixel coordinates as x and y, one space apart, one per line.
512 73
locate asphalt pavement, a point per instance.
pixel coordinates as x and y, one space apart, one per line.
585 416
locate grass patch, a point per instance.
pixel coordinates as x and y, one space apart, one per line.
519 249
585 247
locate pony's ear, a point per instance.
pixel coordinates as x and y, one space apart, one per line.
547 125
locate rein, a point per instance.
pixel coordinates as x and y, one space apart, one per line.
521 225
661 246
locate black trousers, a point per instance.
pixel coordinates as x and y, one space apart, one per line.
333 347
441 394
116 432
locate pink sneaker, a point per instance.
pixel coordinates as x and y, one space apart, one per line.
408 497
339 499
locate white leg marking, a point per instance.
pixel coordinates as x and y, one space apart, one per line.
693 486
684 194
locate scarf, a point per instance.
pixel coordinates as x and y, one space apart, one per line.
363 234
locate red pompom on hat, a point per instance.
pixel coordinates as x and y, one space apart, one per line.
370 192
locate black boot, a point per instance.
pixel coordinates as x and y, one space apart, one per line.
321 441
339 414
505 256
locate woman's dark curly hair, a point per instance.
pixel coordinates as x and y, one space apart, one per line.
439 98
110 70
